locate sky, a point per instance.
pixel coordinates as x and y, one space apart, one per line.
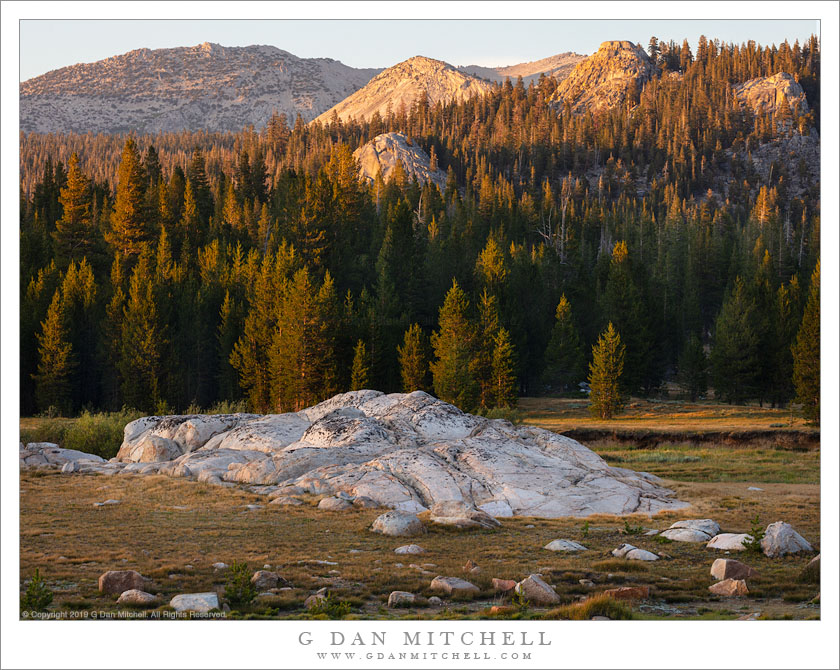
50 44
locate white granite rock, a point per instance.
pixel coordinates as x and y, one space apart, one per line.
453 586
398 524
537 591
410 549
780 538
729 541
564 545
195 602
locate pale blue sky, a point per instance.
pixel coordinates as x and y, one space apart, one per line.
50 44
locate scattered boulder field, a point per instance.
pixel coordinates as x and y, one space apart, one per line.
408 452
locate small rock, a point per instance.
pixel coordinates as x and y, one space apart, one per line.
586 582
434 601
811 573
453 586
266 567
537 591
398 524
622 550
335 504
685 535
780 538
137 598
195 602
729 568
458 515
651 532
628 593
749 617
120 581
753 488
498 609
730 587
410 549
640 555
470 566
220 566
530 525
707 526
398 565
729 541
503 585
254 508
400 599
600 618
564 545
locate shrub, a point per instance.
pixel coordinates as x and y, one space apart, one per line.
331 607
100 434
757 532
37 596
239 590
632 530
584 530
507 413
600 605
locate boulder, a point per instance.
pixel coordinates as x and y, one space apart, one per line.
195 602
811 573
401 599
730 587
692 530
628 593
453 586
264 580
434 601
780 538
471 566
640 555
220 566
335 504
534 589
120 581
410 549
137 598
407 452
503 585
729 568
707 526
564 545
459 515
398 524
729 541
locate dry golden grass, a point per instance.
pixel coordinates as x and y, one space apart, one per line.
73 542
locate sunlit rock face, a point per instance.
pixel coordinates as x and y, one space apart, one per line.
408 452
384 152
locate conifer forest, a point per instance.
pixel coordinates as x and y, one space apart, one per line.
183 270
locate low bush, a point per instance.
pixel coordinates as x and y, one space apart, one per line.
37 596
595 606
100 433
239 591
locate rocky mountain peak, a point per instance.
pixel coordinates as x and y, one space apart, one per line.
558 66
607 78
403 83
206 86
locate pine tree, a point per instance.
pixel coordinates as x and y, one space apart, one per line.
55 361
142 341
692 368
414 360
564 364
452 375
504 371
129 228
806 354
605 372
736 356
360 373
74 232
485 344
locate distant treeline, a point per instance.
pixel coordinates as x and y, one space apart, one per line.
191 268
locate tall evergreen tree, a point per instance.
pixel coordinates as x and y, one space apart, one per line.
736 350
414 360
74 234
55 361
806 354
605 372
564 364
360 373
453 343
129 228
504 371
692 368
